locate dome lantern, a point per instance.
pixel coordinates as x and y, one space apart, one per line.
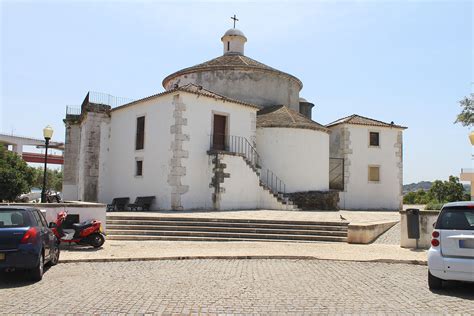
234 41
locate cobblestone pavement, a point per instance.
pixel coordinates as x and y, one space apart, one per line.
390 237
233 287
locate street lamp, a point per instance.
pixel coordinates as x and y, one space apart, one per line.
471 137
47 133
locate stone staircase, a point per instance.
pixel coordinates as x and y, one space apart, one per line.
130 227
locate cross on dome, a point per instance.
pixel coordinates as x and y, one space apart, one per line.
235 19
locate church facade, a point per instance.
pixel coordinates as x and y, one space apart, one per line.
230 133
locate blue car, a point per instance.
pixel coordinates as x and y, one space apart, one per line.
26 241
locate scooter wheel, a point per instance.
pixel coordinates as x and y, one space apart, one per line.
97 240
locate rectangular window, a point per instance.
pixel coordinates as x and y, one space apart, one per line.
374 138
374 173
139 168
140 137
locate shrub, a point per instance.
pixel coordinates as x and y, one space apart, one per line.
434 206
16 177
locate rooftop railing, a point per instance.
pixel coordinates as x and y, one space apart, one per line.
107 99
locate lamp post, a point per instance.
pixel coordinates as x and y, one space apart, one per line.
47 133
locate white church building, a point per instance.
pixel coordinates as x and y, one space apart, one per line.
230 133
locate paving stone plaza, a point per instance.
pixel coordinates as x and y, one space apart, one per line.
208 287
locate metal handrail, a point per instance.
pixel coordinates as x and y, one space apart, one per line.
240 145
272 181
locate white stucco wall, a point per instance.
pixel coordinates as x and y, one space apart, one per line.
119 175
252 86
242 189
195 168
359 192
299 157
199 114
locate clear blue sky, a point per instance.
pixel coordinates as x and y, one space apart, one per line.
403 61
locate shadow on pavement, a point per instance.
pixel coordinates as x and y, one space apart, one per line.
457 289
81 248
15 279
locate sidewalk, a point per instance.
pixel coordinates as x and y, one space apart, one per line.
115 250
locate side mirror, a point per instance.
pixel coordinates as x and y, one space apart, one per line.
52 225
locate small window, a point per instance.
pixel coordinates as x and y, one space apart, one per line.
374 173
228 46
140 136
139 168
374 139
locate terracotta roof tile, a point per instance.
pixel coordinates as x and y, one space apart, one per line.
194 89
362 120
282 116
229 61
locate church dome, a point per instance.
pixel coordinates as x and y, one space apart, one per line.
237 76
234 32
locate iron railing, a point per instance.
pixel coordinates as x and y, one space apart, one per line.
107 99
272 181
336 174
73 110
240 145
237 145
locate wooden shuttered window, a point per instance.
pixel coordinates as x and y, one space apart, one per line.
374 173
374 139
140 136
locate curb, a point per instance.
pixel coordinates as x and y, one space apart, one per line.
276 257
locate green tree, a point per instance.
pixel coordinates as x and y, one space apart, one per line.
466 117
440 192
54 180
16 177
447 191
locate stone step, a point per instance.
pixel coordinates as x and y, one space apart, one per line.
128 222
249 236
221 220
115 227
215 239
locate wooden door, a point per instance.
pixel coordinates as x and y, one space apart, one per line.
219 132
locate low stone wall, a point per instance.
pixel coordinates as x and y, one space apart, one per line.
86 211
365 233
316 200
427 219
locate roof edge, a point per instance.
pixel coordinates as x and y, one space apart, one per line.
341 121
186 71
314 128
183 89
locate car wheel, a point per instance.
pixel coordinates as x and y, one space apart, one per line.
55 256
97 240
37 272
434 283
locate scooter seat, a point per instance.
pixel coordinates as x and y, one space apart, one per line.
83 225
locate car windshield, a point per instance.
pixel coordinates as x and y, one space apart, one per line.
13 218
461 218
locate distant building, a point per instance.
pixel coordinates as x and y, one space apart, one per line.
230 133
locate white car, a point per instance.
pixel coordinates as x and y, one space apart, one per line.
451 256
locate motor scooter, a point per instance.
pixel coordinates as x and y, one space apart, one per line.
85 233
